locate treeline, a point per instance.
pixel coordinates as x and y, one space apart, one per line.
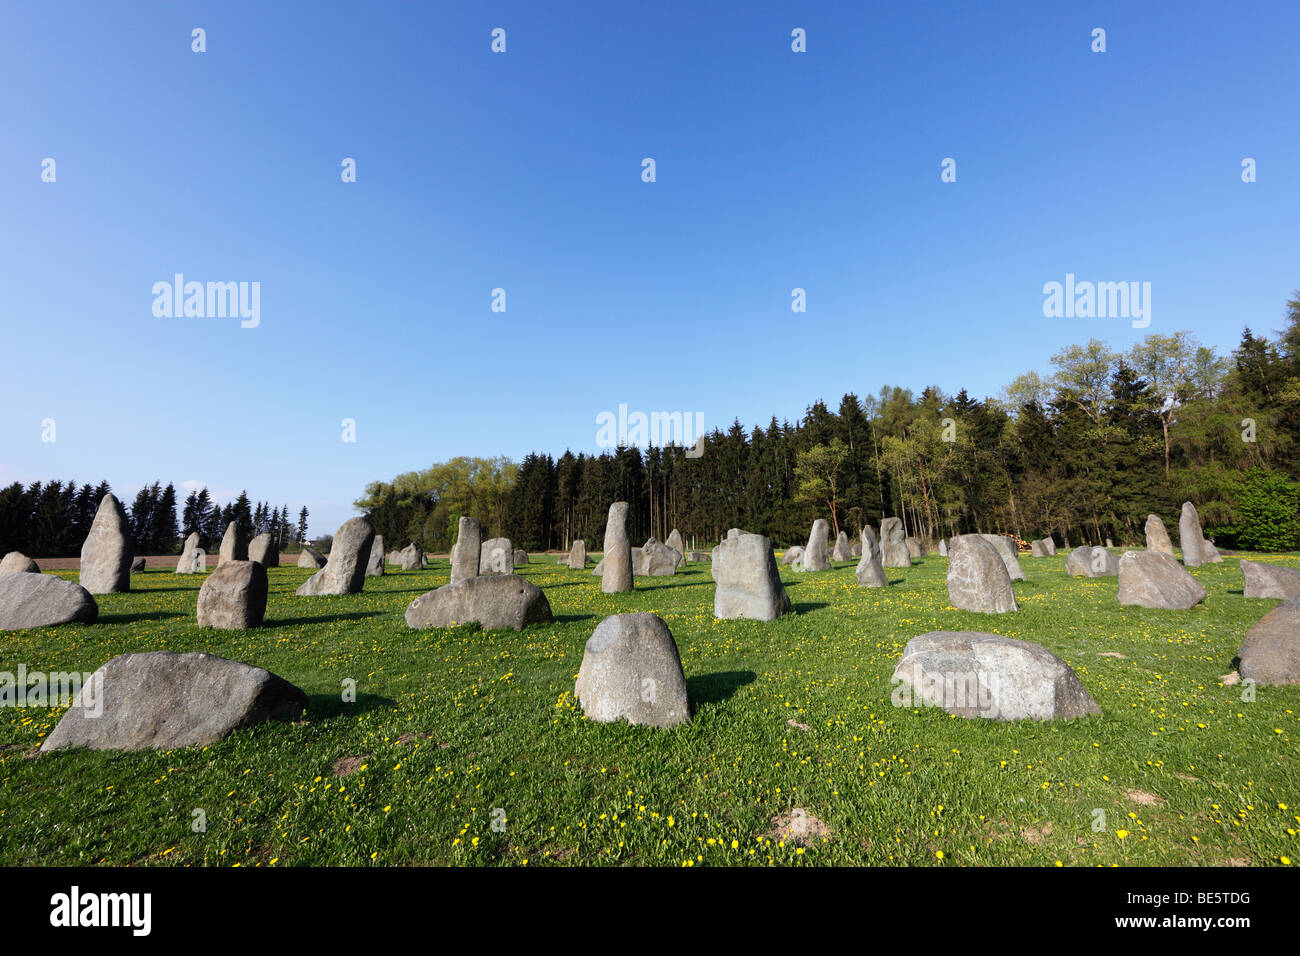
1083 454
52 519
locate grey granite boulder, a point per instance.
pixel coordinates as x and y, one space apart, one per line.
411 557
915 547
748 583
493 601
496 556
1269 580
631 671
1092 562
674 541
893 544
345 571
616 562
311 558
465 552
234 546
977 576
699 557
138 565
520 557
816 554
870 572
792 555
1270 654
162 701
841 551
193 559
1010 554
1157 537
43 600
264 550
1209 553
1190 538
576 559
1154 579
233 597
658 560
107 553
971 674
15 562
375 564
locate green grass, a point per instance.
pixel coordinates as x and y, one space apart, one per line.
495 725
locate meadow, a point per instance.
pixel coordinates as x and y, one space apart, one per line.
468 748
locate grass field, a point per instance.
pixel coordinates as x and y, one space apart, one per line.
452 725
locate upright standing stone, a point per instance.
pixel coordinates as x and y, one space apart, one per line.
943 548
749 585
1157 537
1005 545
233 597
465 552
915 547
870 572
233 545
1155 579
311 558
138 564
264 551
841 551
1209 553
616 570
577 557
631 671
677 544
816 554
375 563
893 544
1270 654
658 559
193 558
1190 538
977 577
410 558
496 556
345 571
520 556
1092 562
107 553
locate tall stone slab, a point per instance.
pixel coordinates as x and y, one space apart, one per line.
264 551
345 570
675 542
1010 554
496 556
870 572
816 554
748 582
465 552
193 559
107 552
375 564
1157 537
616 564
893 544
977 577
234 547
1190 538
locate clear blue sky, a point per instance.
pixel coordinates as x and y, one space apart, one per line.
522 171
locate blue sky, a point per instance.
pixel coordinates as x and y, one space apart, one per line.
522 171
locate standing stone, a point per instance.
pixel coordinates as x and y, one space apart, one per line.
792 555
193 559
943 548
677 544
233 597
1190 538
138 564
1155 579
16 562
577 557
1269 580
345 571
657 559
1209 553
233 545
893 544
870 572
43 600
915 547
816 555
1005 545
631 671
1092 562
1036 549
311 558
106 554
971 674
1157 537
698 557
1110 543
493 601
1270 654
264 551
163 701
841 551
977 577
411 558
465 552
616 570
748 583
496 556
856 550
520 557
375 566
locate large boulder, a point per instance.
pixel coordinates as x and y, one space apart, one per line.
657 559
1157 537
493 601
616 562
345 571
375 564
1010 554
792 555
193 558
1092 562
893 544
870 572
748 583
631 671
233 597
1270 654
15 562
465 552
1190 538
841 551
311 558
816 553
1155 579
234 546
971 674
1269 580
107 552
977 576
42 600
264 550
162 701
674 541
496 556
410 558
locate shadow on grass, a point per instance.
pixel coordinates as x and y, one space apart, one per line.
137 618
715 688
803 607
344 616
573 618
324 706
